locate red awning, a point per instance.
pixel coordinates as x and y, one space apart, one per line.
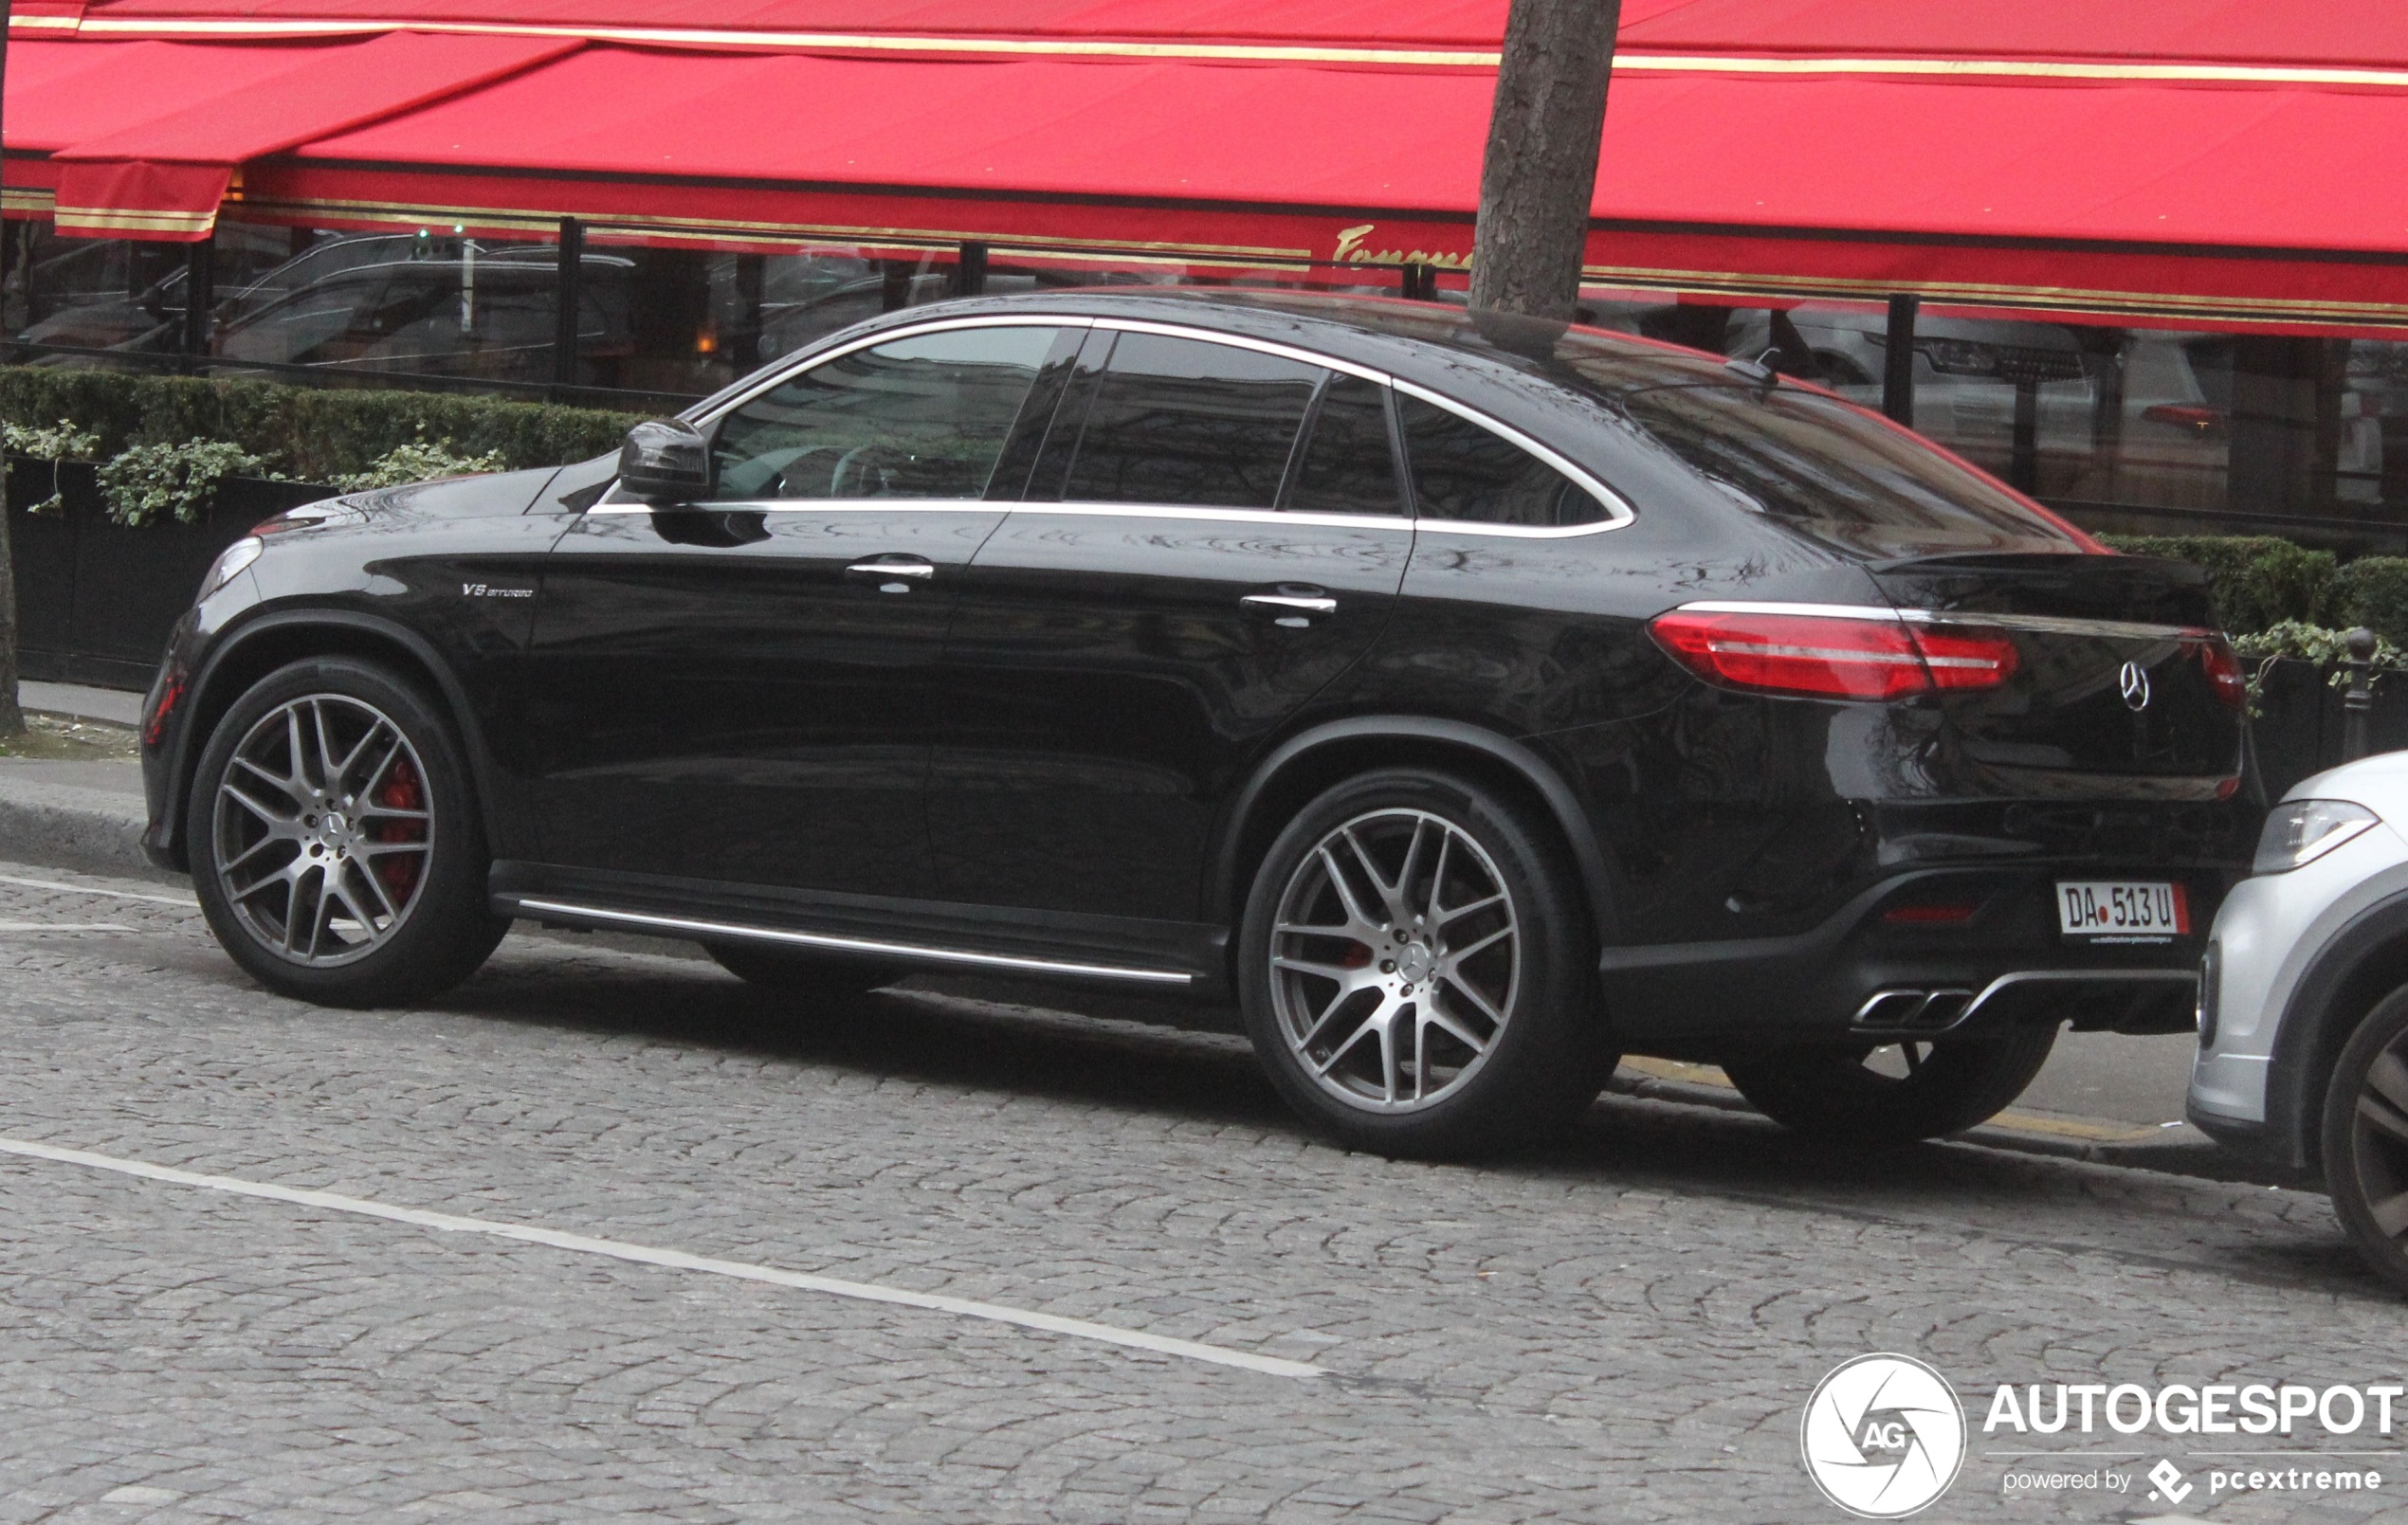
2229 168
144 142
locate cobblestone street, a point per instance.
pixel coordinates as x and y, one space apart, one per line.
1623 1328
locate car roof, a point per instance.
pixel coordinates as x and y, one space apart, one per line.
1441 345
1382 329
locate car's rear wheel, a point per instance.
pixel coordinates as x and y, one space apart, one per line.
798 973
2365 1138
336 845
1882 1096
1416 970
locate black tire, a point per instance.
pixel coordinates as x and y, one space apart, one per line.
1833 1096
1540 1066
2365 1138
799 974
432 876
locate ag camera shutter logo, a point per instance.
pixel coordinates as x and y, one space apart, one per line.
1883 1436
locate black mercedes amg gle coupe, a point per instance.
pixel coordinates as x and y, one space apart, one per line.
1472 701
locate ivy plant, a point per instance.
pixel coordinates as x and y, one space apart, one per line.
420 460
62 441
143 483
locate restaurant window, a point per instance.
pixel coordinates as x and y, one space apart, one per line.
2133 428
123 295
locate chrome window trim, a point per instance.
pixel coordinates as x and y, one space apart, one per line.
813 506
2037 623
1618 508
1220 516
958 505
688 927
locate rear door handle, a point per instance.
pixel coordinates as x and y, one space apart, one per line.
893 573
1292 608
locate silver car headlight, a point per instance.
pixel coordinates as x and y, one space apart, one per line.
2304 830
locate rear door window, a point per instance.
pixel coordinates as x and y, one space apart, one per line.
919 417
1190 421
1466 472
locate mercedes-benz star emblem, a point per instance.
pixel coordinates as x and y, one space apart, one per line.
2134 684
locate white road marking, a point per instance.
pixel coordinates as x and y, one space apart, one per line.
63 926
673 1260
187 903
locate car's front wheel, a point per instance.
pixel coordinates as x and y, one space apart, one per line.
336 845
1417 969
2365 1138
1882 1096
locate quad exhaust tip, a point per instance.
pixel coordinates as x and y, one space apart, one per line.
1914 1011
2140 1001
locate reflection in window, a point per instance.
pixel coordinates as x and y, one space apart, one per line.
1464 471
1837 473
1183 421
919 417
1348 464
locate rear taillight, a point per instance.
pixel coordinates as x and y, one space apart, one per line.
2224 672
1832 657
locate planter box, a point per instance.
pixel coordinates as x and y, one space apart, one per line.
2297 730
95 600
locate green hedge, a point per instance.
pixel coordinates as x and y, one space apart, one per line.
2260 581
311 433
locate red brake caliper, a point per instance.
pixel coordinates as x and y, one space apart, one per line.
401 790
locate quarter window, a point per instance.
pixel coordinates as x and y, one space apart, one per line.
919 417
1185 421
1465 471
1348 464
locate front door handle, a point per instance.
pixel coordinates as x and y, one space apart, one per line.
893 573
1295 610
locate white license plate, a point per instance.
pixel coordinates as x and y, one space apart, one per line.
2114 910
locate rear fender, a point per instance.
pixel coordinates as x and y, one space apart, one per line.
1248 825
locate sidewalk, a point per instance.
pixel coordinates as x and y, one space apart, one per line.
87 815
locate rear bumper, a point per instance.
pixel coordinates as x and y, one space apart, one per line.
1858 976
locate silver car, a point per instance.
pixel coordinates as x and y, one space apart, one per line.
2304 1001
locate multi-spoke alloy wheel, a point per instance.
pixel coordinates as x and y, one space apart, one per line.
1417 970
1394 960
2365 1138
336 844
324 829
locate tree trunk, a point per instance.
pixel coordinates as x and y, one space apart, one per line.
1541 166
11 718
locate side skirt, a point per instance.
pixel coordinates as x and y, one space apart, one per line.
1165 956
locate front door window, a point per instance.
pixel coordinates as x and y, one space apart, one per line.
919 417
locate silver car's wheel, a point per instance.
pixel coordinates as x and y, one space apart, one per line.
2365 1138
1396 957
323 830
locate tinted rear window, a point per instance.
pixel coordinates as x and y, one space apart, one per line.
1837 473
1470 474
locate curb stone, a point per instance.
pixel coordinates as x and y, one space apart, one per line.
64 825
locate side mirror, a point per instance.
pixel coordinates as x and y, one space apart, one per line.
665 461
